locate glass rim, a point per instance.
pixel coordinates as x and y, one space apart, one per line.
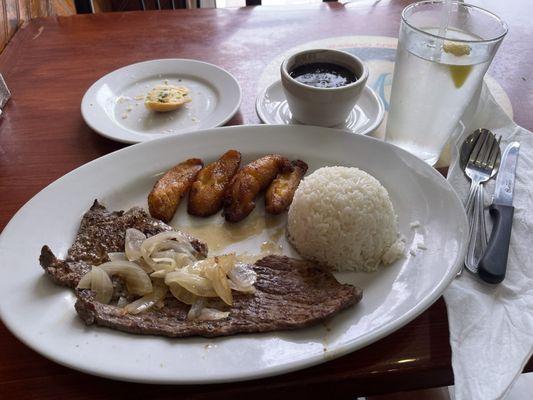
466 5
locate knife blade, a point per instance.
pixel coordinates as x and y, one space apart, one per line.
493 265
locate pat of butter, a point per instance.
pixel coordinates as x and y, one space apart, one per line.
164 98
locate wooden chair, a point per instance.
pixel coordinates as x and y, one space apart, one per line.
89 6
258 2
13 13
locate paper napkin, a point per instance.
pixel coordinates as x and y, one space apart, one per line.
491 326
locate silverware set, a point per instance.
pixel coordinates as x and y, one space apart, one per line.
480 158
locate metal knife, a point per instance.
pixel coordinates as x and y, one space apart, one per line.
493 264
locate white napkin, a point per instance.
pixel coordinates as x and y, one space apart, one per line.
491 327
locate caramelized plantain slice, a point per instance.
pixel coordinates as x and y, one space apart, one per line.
239 200
207 191
166 195
279 194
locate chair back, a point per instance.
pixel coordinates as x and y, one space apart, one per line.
13 13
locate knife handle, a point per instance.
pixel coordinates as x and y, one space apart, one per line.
493 264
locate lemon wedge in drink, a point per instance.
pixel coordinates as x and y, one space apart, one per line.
459 72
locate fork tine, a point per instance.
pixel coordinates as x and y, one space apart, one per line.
494 153
481 154
477 147
475 136
487 150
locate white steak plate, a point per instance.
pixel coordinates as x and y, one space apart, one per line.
272 108
42 314
113 106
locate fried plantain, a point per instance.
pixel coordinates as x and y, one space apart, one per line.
166 195
248 182
279 194
207 191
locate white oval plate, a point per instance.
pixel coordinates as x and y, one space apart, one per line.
272 108
42 314
113 106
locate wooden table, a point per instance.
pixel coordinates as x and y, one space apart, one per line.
51 62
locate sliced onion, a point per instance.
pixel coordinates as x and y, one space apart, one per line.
122 302
171 244
211 314
242 289
220 283
159 274
242 278
163 267
85 281
148 300
101 284
132 243
180 259
165 263
176 247
117 256
226 262
137 281
199 267
145 267
193 283
182 294
196 309
149 245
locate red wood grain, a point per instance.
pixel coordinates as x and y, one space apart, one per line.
50 63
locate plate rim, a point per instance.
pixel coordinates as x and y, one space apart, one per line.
269 371
367 132
84 105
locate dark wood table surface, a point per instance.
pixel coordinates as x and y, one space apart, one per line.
51 62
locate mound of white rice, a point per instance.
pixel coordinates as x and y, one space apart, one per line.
343 217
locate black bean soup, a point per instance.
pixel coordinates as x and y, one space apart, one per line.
323 75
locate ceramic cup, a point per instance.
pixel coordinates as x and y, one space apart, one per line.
322 106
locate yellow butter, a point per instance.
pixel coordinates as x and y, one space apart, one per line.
165 98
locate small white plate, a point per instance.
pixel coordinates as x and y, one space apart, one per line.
114 105
42 315
272 108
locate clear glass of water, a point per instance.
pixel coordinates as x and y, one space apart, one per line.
444 50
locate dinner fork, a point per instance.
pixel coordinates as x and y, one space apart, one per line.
479 169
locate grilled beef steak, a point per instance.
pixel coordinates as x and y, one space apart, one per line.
102 232
289 293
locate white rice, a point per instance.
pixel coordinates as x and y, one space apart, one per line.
343 217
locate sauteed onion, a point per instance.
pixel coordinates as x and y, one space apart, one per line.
151 267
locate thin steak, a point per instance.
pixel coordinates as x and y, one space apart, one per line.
102 232
289 293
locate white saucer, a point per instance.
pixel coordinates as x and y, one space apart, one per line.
272 108
114 105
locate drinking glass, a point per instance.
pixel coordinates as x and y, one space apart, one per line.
444 50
